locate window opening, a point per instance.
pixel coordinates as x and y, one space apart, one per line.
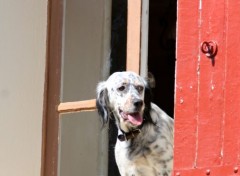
161 59
161 51
118 63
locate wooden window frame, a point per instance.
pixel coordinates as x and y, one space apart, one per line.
50 130
136 36
182 164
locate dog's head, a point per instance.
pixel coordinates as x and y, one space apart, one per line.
126 96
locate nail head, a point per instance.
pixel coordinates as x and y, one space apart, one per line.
235 169
178 174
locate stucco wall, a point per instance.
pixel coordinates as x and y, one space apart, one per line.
22 65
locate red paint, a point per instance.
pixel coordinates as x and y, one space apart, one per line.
211 85
207 102
211 171
186 84
231 145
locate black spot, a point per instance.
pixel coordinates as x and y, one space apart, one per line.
102 104
165 174
152 139
146 150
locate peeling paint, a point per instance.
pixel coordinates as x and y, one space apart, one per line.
181 101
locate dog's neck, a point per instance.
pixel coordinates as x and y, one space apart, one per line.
125 136
129 135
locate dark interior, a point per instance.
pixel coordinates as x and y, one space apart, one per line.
161 51
161 56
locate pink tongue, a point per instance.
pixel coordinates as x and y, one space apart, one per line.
135 118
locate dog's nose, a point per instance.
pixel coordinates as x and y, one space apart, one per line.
138 103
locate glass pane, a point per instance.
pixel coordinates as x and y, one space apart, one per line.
86 43
86 39
82 141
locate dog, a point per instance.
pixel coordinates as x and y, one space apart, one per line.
145 132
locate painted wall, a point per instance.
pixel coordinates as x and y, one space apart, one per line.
22 67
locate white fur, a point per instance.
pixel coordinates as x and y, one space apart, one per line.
150 153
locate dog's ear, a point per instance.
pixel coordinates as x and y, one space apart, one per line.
147 102
151 80
102 102
149 84
147 97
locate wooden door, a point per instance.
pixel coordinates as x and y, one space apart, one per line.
207 100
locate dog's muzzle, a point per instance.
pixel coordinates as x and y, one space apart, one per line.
134 118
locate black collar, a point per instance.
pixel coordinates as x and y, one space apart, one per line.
130 135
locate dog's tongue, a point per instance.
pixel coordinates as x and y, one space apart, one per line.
135 118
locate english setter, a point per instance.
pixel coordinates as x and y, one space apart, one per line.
145 132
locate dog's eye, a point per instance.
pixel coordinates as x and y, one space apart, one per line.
139 88
121 88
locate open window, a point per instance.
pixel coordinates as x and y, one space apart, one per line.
207 92
157 53
79 57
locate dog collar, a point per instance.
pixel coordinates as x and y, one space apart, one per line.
129 135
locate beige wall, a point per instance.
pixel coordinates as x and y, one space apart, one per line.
23 27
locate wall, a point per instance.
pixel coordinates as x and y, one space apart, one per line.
22 68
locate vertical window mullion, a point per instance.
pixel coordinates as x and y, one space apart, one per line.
134 35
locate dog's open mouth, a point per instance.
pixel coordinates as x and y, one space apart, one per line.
134 118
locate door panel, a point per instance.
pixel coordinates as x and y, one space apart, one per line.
211 82
186 87
207 89
231 145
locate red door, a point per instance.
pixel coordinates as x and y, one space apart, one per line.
207 104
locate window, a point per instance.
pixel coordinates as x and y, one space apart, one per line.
207 95
81 49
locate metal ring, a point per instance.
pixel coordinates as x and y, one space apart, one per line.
210 48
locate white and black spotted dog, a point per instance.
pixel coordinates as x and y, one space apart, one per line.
145 133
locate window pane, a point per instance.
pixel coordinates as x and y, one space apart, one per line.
85 54
82 141
85 44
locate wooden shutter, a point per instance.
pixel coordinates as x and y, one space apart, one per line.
207 104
